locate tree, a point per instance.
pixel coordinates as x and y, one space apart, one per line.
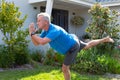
103 22
11 25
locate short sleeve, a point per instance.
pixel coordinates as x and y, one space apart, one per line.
53 34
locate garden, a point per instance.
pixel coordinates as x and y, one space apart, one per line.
92 64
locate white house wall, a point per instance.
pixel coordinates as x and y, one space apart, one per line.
80 30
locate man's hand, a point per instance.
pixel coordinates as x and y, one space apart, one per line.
31 28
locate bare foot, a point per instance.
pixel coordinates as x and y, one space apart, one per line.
108 39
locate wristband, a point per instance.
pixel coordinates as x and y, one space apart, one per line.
33 33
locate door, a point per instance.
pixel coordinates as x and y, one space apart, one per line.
60 17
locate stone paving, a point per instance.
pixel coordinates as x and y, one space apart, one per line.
113 76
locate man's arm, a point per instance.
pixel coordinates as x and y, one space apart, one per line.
34 42
39 41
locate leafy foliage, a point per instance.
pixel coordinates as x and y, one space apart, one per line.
53 58
37 56
89 62
6 59
103 22
14 34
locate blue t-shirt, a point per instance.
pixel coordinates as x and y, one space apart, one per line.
61 41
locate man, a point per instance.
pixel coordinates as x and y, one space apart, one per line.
61 41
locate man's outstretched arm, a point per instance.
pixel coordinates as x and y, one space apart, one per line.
39 41
34 42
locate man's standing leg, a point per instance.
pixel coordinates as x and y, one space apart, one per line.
69 58
66 72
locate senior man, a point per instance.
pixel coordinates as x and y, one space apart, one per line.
63 42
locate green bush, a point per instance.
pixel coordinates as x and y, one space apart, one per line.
21 56
49 58
6 58
91 62
103 22
87 62
15 50
113 65
53 58
86 36
20 49
59 58
37 56
18 57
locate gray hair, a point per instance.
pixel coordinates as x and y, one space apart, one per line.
45 16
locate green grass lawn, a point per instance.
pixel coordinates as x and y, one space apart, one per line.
45 73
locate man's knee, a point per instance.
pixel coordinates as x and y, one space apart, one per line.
83 45
86 47
65 68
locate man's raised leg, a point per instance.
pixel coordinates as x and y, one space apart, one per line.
98 41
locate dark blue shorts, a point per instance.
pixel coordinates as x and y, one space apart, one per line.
72 53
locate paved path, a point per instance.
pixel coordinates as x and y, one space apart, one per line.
113 76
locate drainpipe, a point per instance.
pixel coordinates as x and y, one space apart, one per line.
49 5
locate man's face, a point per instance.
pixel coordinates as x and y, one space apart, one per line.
41 22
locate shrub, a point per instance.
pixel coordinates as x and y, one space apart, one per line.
87 62
21 56
91 62
18 57
86 36
14 34
113 65
49 58
53 58
37 56
6 58
103 22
